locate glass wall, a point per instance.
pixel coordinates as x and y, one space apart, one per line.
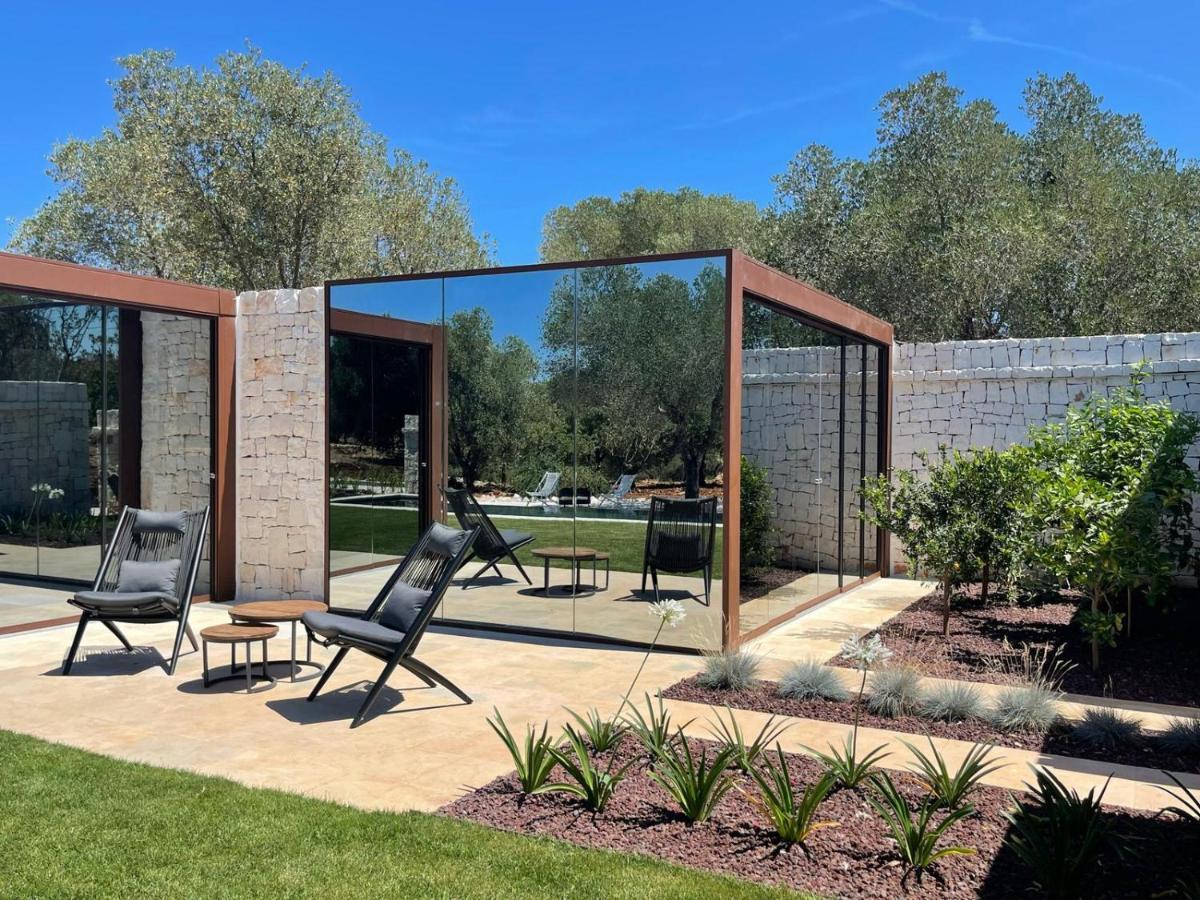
66 371
575 396
810 433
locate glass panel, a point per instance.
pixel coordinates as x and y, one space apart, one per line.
870 448
419 300
650 358
851 448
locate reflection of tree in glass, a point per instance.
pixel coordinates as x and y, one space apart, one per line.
650 357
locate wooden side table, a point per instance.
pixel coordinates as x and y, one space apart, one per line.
260 611
577 556
234 634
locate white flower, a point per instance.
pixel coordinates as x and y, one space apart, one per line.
671 612
49 490
865 654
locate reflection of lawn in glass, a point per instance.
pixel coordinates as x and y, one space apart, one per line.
392 531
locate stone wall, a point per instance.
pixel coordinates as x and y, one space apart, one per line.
44 434
281 444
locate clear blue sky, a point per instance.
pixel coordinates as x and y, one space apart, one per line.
529 106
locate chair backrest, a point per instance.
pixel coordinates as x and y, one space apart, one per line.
680 533
470 515
548 484
623 485
411 595
142 535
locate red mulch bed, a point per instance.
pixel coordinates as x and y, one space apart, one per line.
855 859
1159 664
1060 741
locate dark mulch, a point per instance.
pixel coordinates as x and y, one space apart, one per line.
855 859
760 582
1061 741
1158 664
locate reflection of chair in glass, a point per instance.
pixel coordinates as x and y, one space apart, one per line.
620 488
492 544
392 626
679 539
545 489
147 575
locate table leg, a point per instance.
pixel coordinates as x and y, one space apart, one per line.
546 577
249 667
204 654
293 651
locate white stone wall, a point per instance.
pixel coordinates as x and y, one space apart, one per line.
281 444
44 435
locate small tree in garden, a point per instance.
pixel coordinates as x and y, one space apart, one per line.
757 533
1111 501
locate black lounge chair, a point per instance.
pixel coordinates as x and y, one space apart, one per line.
147 575
680 538
493 544
394 623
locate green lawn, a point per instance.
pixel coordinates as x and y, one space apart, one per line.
393 531
75 824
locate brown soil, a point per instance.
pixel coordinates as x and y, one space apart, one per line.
1158 664
1060 741
760 582
855 859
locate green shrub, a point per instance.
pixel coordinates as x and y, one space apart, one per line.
951 789
895 692
729 670
1181 737
1107 729
793 816
1061 836
952 702
917 835
810 680
603 734
729 736
594 786
696 783
847 766
533 759
653 729
1026 707
757 514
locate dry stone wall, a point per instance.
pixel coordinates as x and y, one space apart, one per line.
281 444
44 432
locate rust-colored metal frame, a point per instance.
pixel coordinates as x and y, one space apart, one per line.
345 321
131 293
745 278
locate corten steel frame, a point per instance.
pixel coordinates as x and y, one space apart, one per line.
745 279
131 294
430 337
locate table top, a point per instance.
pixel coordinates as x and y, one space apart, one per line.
274 610
568 553
232 633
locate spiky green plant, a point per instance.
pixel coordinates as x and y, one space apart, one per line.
810 680
951 789
602 733
1181 737
956 701
533 758
729 734
895 692
793 815
1187 803
594 786
847 766
1107 729
729 670
917 835
653 730
1026 707
696 783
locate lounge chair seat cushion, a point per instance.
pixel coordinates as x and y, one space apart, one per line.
332 626
514 538
108 601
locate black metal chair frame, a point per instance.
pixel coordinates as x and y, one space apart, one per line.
146 546
680 518
489 546
419 569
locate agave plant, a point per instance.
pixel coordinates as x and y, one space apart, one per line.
729 735
533 758
695 782
950 790
653 729
594 786
918 837
793 815
603 734
846 765
1187 802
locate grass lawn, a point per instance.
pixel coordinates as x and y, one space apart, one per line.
392 531
75 824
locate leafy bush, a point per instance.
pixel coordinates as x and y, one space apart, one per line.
729 736
603 734
696 783
594 786
915 832
757 514
794 817
653 729
1107 729
729 670
533 759
953 701
1181 737
950 790
895 692
1061 836
1026 707
810 680
847 766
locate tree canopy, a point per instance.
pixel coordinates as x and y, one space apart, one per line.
247 175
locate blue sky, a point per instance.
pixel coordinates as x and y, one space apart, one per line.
531 105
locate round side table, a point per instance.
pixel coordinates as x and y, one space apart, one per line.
234 634
261 611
